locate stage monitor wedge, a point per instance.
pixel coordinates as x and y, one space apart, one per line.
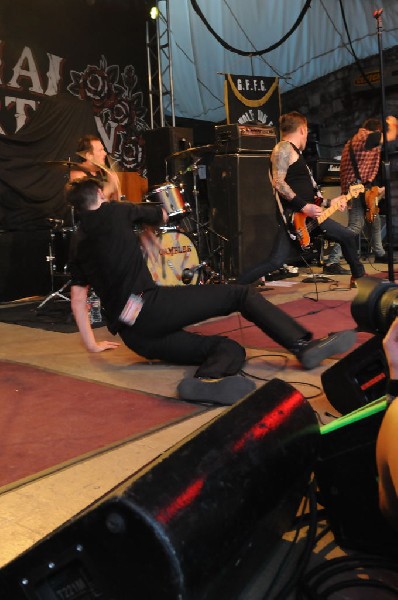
358 378
196 523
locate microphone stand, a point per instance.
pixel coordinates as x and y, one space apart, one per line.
386 167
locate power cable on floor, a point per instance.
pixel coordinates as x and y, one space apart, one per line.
317 583
304 557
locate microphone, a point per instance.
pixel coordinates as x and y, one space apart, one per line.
187 274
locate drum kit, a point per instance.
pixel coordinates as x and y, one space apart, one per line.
171 252
187 251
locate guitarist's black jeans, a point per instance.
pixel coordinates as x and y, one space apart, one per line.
285 250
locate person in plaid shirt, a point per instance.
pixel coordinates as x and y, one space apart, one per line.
366 148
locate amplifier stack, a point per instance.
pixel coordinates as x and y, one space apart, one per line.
241 201
245 138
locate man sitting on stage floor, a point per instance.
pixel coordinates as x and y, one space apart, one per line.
150 319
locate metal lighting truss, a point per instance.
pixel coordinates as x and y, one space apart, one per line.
160 68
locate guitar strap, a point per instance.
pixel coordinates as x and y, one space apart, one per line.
317 189
356 172
354 163
277 197
280 207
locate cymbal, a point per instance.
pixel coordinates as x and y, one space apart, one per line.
198 150
63 163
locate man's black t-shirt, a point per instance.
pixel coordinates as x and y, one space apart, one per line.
107 255
298 178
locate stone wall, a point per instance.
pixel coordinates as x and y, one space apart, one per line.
335 106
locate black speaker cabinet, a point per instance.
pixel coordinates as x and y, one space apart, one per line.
161 143
242 208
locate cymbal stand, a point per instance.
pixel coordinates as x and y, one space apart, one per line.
195 194
56 294
50 259
220 250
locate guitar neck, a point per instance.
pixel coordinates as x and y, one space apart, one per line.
328 212
357 189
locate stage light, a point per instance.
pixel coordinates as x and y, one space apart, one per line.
154 12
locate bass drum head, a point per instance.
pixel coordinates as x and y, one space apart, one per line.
168 255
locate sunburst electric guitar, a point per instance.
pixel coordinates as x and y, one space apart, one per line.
300 226
372 198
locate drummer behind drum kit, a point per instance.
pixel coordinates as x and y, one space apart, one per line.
170 252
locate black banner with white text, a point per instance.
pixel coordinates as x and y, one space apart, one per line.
252 99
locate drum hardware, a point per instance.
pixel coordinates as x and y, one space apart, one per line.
55 223
197 155
51 259
200 230
188 274
68 164
218 251
57 294
198 150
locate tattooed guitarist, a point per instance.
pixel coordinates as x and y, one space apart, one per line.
297 200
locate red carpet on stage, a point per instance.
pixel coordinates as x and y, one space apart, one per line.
320 317
47 420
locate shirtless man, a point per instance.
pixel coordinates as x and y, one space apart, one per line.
92 150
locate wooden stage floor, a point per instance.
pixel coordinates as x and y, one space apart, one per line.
32 511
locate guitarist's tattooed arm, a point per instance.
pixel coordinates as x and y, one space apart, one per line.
281 159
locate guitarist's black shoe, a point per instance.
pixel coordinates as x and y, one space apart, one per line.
335 269
383 259
312 353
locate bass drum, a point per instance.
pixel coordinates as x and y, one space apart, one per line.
167 254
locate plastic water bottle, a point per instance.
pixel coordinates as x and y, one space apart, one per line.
94 308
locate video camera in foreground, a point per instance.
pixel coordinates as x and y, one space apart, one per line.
376 305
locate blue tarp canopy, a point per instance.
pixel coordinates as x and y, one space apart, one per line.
325 35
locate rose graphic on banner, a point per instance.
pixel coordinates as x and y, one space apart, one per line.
250 98
118 109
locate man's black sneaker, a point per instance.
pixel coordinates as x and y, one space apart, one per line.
335 269
311 354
